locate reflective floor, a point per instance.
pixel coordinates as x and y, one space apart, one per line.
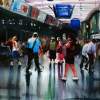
16 85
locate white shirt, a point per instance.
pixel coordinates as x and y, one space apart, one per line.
15 46
84 50
91 48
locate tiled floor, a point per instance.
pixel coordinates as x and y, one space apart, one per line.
16 85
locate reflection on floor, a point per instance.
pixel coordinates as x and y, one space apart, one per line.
15 84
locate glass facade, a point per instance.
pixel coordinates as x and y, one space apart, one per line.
91 26
94 24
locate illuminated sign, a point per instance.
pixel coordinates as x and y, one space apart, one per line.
75 24
63 11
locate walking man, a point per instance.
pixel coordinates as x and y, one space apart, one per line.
33 46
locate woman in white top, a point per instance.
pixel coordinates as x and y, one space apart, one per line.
15 48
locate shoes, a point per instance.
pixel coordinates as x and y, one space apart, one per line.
39 71
28 72
86 68
63 79
75 78
11 63
19 63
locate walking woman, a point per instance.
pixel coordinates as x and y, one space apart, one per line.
69 59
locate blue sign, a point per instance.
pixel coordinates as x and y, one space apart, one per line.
63 11
75 24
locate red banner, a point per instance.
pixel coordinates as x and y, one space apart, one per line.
34 13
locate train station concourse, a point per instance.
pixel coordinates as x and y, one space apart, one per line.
49 49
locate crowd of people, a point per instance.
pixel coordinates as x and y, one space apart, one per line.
63 51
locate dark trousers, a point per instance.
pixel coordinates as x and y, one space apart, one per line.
91 62
32 55
84 60
36 61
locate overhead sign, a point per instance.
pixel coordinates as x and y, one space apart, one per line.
75 24
63 10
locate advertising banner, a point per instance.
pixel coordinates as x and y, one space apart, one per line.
34 13
41 17
6 3
51 20
24 10
16 5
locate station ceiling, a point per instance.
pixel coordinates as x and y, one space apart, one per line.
82 8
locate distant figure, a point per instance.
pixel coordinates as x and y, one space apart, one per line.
60 57
15 47
52 49
43 40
